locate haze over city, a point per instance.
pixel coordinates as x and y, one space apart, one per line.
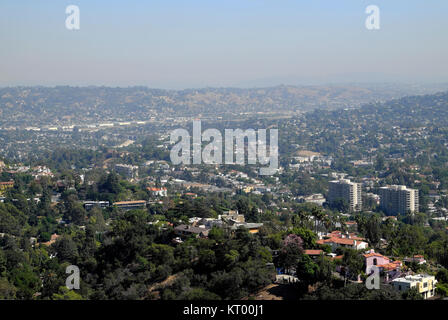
237 43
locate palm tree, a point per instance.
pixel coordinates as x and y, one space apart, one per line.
318 215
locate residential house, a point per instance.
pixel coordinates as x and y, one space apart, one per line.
158 192
390 269
425 284
313 253
6 185
336 240
419 259
184 230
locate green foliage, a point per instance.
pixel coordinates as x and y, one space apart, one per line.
66 294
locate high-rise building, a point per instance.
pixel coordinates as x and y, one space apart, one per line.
346 190
398 199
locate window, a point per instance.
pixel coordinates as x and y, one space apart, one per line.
375 262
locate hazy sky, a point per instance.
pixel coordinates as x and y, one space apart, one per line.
178 44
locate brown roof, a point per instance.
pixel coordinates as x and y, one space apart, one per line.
130 202
375 254
338 241
390 266
156 189
313 252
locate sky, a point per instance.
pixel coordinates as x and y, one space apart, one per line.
177 44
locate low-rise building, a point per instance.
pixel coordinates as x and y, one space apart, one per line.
416 258
184 230
89 205
129 205
390 269
425 284
316 198
158 192
251 227
232 215
337 239
6 185
313 253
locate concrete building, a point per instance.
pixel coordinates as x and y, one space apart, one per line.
346 190
398 199
425 284
232 215
158 192
89 205
127 170
316 198
6 185
130 205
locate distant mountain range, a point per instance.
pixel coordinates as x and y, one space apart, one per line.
67 105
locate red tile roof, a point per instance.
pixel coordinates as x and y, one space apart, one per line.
375 254
390 266
344 241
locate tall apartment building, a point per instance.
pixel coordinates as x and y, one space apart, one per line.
346 190
398 199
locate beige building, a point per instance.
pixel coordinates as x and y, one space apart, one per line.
346 190
398 199
425 284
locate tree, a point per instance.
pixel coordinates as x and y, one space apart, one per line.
7 290
442 275
65 294
198 294
26 282
379 164
291 251
412 294
66 249
307 270
353 263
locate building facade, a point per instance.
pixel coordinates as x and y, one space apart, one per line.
425 284
346 190
398 200
130 205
